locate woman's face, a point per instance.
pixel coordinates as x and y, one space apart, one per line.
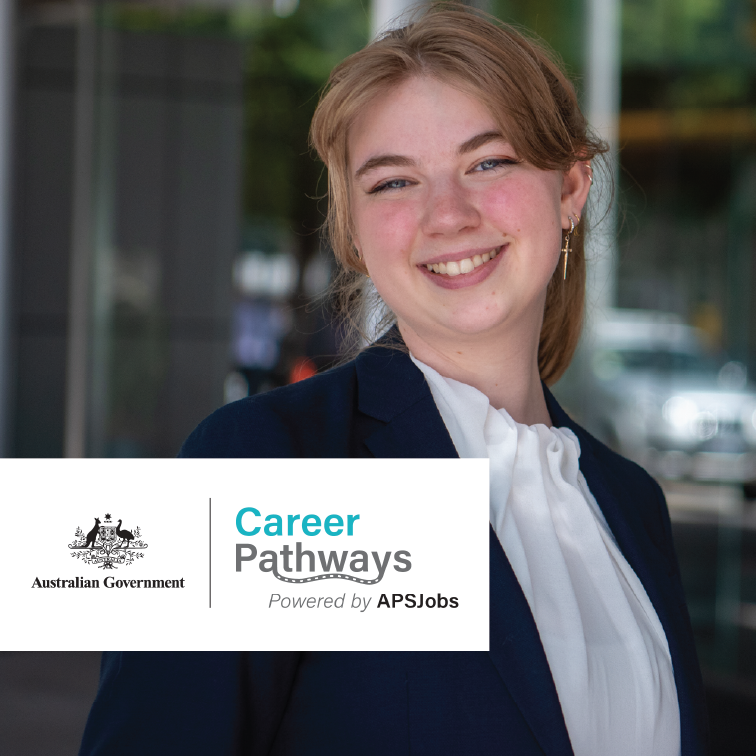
436 186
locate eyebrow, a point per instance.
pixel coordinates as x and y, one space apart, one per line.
479 141
401 161
383 161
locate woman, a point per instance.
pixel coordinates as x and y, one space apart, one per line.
459 167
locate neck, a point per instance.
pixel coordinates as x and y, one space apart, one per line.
506 371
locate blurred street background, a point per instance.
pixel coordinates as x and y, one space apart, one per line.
160 255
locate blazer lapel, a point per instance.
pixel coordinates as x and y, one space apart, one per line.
653 570
393 391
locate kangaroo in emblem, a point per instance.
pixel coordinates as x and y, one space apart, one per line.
92 535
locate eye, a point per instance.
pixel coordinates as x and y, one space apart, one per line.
388 186
491 164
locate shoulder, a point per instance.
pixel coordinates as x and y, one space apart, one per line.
618 469
639 494
292 421
621 468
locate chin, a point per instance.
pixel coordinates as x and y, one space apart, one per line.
475 321
471 327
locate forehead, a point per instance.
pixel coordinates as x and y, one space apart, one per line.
419 117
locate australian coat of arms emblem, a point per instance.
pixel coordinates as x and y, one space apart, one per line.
107 545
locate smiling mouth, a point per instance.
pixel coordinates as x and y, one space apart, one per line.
467 265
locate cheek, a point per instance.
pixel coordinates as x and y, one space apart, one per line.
521 208
385 232
532 215
529 213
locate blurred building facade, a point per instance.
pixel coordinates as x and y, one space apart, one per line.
161 139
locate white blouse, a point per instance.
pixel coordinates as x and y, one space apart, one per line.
605 646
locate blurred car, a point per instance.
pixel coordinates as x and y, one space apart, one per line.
660 399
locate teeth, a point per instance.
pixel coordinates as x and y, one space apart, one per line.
457 267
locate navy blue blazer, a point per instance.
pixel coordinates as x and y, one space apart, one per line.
364 704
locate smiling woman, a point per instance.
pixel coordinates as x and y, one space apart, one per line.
516 87
459 167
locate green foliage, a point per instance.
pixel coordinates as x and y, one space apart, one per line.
689 32
288 62
688 53
145 18
559 23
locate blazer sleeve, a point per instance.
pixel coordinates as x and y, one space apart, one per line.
312 418
248 428
659 529
189 703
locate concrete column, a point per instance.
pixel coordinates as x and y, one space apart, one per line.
602 109
7 50
384 12
79 283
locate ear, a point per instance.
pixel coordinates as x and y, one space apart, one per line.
575 188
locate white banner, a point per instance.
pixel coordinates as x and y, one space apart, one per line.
187 554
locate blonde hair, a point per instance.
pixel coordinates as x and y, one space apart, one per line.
528 94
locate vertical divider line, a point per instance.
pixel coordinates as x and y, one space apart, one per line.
210 551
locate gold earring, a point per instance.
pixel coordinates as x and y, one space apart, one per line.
567 239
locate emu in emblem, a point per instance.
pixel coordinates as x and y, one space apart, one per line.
125 535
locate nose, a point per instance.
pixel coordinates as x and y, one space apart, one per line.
449 209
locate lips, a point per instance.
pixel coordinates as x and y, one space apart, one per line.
463 272
453 268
